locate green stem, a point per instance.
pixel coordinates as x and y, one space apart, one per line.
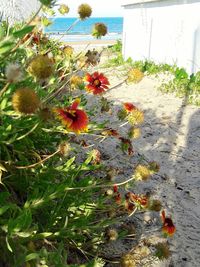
4 89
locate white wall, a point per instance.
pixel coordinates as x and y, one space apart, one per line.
166 31
18 10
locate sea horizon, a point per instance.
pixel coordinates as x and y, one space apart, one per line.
83 29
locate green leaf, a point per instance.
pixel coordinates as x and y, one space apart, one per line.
70 162
4 209
22 222
3 103
2 32
8 245
46 22
31 256
48 3
6 46
21 33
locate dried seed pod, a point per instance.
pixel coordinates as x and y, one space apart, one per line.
84 11
25 100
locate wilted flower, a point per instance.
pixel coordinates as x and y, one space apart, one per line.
129 206
142 172
110 132
135 75
127 260
155 205
99 30
122 114
45 114
41 67
96 156
75 119
134 132
92 57
64 148
111 173
112 234
97 83
105 105
168 227
126 146
76 81
68 50
136 117
162 251
118 198
63 9
13 73
25 100
141 200
129 107
84 11
154 167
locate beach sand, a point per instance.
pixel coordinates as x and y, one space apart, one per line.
91 44
170 136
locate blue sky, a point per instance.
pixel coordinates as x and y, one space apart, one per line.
101 8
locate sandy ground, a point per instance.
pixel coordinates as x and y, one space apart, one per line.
170 136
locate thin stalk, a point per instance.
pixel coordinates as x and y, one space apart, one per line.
4 89
99 186
37 163
35 15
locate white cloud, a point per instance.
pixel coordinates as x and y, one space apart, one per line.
101 8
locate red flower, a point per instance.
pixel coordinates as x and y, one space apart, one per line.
115 188
118 198
110 132
138 199
75 119
129 206
97 83
168 226
129 107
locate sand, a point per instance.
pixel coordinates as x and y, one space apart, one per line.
170 136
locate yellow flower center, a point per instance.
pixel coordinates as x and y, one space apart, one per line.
97 83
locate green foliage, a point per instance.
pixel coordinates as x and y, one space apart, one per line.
116 48
49 201
54 206
182 85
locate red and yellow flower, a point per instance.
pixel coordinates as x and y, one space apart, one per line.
168 227
141 200
75 119
97 83
129 106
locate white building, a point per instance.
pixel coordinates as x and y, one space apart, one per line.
165 31
17 10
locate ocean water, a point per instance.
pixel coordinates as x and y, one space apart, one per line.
82 30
